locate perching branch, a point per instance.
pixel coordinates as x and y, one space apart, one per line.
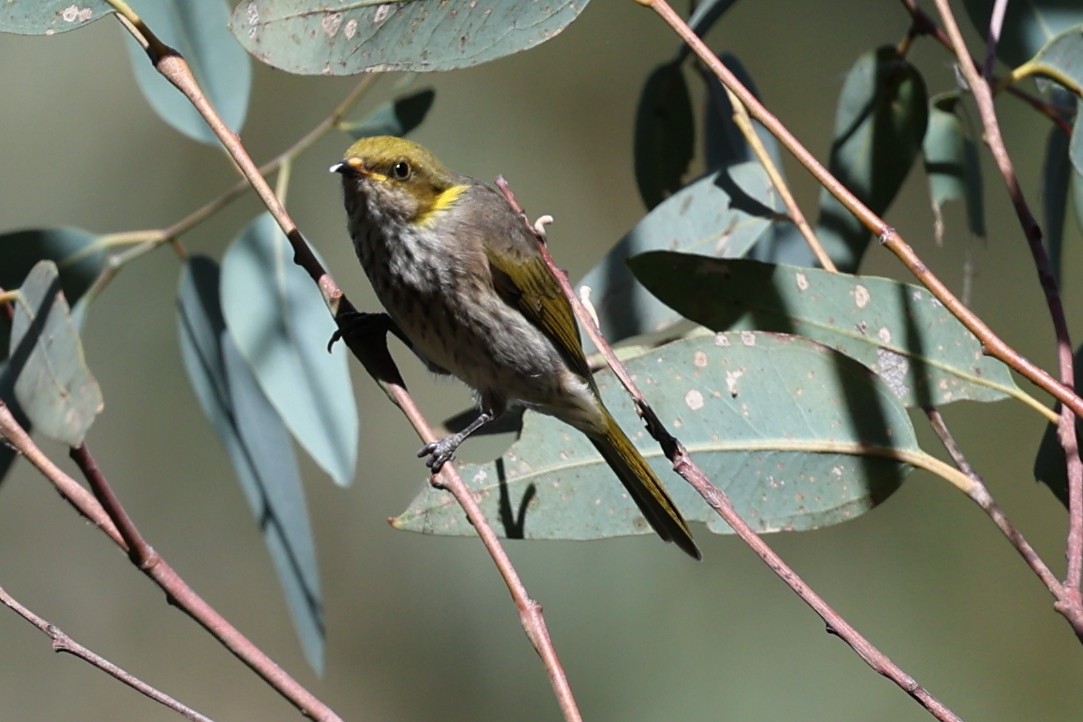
175 69
718 500
368 342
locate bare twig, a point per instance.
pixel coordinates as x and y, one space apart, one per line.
1070 602
154 566
717 499
63 643
981 496
744 124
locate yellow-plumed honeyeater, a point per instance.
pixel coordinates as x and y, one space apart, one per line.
463 279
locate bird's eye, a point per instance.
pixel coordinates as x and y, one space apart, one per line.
401 170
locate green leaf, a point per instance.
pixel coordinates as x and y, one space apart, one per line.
1077 198
198 30
257 444
922 352
47 17
706 14
45 365
8 455
281 325
1075 145
1061 60
77 253
951 164
1056 184
724 144
879 126
397 117
331 37
1027 26
664 134
797 435
722 214
1050 467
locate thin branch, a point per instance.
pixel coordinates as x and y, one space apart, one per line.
992 344
154 566
718 500
923 24
979 493
744 124
175 69
63 643
70 490
368 342
983 97
992 38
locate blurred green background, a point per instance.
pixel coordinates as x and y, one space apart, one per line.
421 628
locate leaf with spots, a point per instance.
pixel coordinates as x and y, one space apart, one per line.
45 370
923 353
48 17
798 435
724 213
332 37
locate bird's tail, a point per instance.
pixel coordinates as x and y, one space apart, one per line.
643 486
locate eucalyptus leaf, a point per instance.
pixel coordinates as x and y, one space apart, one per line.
258 446
1027 26
1057 175
397 117
664 134
722 214
1050 467
723 143
280 324
797 435
1075 144
951 164
879 126
47 17
340 37
8 455
1061 59
922 352
705 14
78 255
198 30
46 367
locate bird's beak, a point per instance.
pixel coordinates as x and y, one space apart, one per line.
349 166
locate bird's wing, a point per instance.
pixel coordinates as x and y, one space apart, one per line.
523 280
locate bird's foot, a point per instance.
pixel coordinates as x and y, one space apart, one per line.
440 451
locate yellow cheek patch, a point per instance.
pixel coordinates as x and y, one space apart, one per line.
442 201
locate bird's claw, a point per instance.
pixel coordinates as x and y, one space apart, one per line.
439 452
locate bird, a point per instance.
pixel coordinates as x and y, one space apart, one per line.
461 275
